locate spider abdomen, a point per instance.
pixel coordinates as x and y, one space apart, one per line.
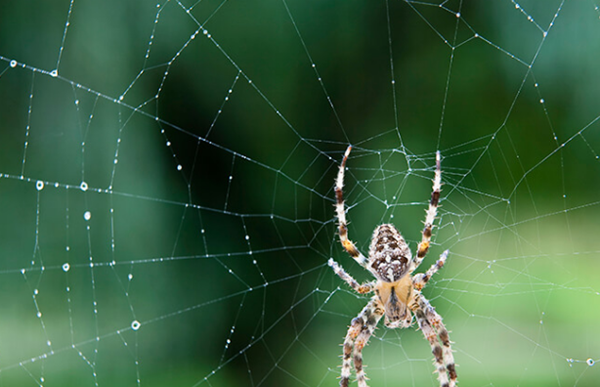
389 255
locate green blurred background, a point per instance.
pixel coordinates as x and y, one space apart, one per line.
202 139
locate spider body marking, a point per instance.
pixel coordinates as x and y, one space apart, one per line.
397 293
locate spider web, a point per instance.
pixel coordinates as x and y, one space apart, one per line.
166 174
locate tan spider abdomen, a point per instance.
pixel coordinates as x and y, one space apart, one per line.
389 254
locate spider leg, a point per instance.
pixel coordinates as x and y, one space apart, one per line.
358 335
421 279
359 344
432 326
355 328
362 289
430 216
341 214
438 325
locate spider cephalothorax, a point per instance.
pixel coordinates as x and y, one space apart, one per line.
397 292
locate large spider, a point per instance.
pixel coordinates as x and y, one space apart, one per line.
397 292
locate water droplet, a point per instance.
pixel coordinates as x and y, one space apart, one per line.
13 63
83 186
39 185
54 73
87 215
135 325
179 167
66 267
590 362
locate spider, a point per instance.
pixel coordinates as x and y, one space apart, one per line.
397 292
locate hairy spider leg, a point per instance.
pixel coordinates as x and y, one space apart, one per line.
423 247
341 214
358 335
337 269
436 348
436 321
420 280
430 323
